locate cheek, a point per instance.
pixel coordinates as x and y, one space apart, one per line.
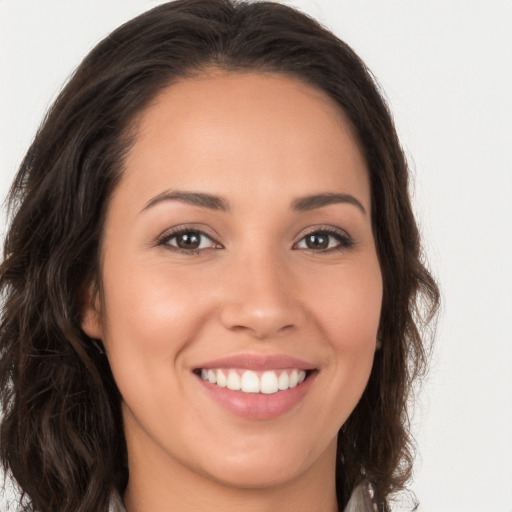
348 312
148 314
143 297
349 304
151 318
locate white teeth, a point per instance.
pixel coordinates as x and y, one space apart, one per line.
249 381
221 379
294 378
269 383
284 381
234 381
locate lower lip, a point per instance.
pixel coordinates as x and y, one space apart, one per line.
258 406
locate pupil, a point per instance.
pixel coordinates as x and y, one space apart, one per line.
188 241
317 241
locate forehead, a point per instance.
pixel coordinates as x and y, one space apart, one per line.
236 91
248 128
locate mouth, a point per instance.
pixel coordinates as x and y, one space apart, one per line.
257 386
265 382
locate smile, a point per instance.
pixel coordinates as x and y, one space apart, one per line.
256 386
248 381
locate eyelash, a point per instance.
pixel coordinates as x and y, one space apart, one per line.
183 230
344 240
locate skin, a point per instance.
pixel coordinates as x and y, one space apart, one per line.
259 141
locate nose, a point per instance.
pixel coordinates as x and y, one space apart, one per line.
261 299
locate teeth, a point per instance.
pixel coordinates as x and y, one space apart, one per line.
283 382
269 383
249 381
294 378
222 381
234 381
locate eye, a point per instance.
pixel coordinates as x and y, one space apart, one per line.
325 240
188 240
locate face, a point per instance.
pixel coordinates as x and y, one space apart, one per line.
238 252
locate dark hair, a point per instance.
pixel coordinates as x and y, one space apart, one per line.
61 434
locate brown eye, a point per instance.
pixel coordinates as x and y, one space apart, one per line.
188 240
317 241
325 240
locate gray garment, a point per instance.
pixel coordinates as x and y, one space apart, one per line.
360 501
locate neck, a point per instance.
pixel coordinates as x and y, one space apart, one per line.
161 483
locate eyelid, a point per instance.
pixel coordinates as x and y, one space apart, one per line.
169 234
345 239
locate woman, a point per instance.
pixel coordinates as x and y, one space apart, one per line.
212 275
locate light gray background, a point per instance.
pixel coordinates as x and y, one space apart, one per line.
446 68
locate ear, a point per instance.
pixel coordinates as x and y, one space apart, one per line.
378 344
91 313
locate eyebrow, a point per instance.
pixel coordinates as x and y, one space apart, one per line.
196 198
212 202
312 202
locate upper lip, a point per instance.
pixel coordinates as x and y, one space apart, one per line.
258 362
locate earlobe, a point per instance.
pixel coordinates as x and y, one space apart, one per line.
91 315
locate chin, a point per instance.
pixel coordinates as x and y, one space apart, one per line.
266 468
256 476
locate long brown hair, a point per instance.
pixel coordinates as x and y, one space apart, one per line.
61 435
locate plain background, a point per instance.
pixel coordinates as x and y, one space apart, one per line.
445 67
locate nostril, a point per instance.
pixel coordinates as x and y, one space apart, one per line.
261 322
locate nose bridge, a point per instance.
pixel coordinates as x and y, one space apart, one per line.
260 299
